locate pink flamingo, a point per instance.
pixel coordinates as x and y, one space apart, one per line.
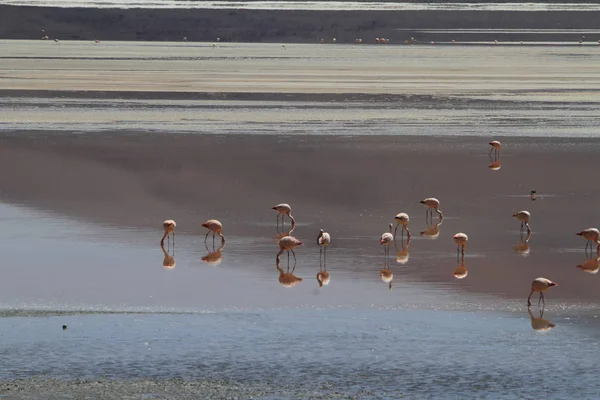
386 239
169 227
496 146
461 240
283 209
591 235
432 204
523 216
288 243
215 227
402 219
540 285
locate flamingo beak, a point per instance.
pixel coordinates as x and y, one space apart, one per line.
553 284
578 234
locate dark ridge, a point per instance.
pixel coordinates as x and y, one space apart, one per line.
18 22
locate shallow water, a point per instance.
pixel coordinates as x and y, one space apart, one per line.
87 179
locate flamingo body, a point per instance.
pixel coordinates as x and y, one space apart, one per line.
540 285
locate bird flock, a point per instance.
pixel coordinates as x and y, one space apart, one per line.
287 243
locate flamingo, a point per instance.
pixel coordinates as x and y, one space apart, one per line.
402 219
283 209
540 285
386 239
523 216
496 146
532 195
432 203
215 227
323 241
288 243
461 240
169 226
591 235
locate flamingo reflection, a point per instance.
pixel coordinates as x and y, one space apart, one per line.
539 323
402 254
213 257
169 260
287 279
460 272
522 248
495 165
279 235
387 275
432 232
591 264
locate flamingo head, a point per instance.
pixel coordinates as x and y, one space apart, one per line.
552 284
422 202
579 233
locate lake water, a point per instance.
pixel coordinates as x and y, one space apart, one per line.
87 176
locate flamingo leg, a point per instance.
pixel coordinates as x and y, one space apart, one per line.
541 299
492 149
213 240
529 299
395 230
173 240
463 252
294 254
162 241
206 237
325 256
320 257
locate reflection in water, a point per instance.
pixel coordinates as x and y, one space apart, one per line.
402 254
460 272
432 232
522 248
287 279
169 227
213 257
495 166
387 275
169 260
540 324
280 234
591 265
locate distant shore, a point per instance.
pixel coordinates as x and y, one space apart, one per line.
17 22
